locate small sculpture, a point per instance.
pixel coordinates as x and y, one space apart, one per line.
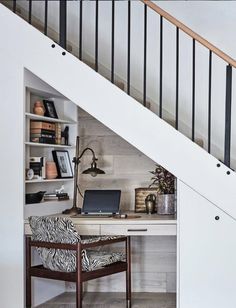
65 135
60 190
150 202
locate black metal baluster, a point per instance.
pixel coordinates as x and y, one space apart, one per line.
128 56
209 102
193 93
96 37
46 18
161 61
177 81
145 55
14 6
80 29
228 99
112 40
30 12
62 34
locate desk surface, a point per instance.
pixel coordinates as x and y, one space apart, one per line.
143 225
141 219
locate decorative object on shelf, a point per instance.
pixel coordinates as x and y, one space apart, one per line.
38 108
165 186
150 202
62 160
93 171
65 136
29 174
38 166
140 195
60 190
42 132
51 170
34 197
50 110
58 195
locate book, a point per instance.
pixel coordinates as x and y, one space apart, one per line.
42 135
56 196
42 131
42 125
58 133
42 140
38 164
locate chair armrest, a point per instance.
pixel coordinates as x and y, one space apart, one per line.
41 244
101 241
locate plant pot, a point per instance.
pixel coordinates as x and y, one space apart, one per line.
166 204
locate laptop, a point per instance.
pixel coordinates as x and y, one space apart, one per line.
101 203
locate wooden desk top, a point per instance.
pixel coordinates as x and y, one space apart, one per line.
141 219
143 224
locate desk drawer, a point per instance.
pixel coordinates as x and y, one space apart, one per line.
138 229
88 229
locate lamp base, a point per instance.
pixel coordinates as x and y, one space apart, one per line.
72 211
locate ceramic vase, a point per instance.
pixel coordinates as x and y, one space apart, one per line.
51 170
38 108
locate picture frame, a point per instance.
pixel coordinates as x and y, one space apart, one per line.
63 164
50 110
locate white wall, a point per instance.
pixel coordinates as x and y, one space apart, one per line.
207 253
11 178
214 20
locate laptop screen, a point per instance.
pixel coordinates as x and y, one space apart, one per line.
101 202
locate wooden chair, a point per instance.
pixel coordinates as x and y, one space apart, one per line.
78 269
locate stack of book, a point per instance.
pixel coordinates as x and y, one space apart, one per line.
42 132
38 166
56 196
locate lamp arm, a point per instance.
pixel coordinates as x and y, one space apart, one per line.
87 149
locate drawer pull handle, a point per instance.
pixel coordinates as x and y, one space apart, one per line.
137 230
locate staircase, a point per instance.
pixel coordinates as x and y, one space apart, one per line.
206 186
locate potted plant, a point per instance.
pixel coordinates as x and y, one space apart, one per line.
165 186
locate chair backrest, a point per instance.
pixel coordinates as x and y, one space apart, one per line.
55 230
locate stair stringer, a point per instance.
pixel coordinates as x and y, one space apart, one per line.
118 111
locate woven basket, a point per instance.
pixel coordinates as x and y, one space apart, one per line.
140 195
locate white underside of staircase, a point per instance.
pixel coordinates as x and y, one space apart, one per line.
204 191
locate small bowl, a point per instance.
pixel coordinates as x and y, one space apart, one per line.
34 197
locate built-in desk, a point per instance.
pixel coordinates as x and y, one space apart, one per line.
144 225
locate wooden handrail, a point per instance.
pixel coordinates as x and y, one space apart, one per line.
190 32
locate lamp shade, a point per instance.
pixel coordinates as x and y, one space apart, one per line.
93 170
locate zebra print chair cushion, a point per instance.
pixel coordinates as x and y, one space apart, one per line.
62 230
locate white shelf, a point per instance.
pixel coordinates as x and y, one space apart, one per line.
35 144
52 203
47 181
42 118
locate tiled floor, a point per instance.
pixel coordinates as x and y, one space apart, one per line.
114 300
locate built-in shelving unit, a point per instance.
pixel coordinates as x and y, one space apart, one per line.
67 116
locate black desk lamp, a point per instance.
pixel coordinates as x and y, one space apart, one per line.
93 171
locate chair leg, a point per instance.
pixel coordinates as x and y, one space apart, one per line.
128 273
28 276
79 294
28 292
79 282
